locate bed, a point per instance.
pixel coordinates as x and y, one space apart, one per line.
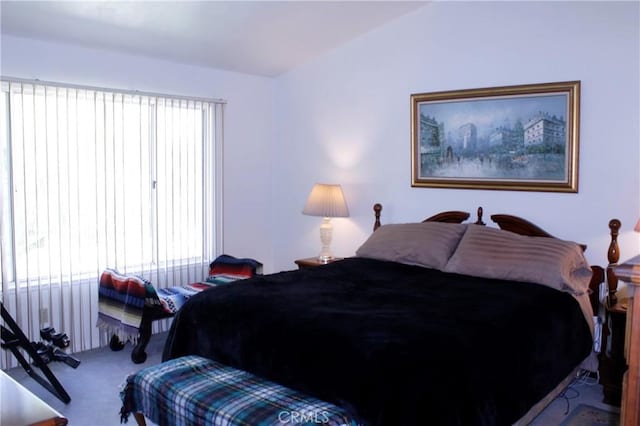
437 322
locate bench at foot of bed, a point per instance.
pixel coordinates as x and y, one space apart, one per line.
192 390
129 304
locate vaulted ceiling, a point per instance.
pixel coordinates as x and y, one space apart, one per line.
255 37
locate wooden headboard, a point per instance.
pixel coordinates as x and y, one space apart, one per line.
506 222
451 216
522 226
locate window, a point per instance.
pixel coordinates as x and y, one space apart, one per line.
94 178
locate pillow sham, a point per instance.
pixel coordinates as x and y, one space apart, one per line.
427 244
494 253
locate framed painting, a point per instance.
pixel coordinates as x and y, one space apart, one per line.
521 138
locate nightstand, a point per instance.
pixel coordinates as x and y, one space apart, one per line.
311 262
611 359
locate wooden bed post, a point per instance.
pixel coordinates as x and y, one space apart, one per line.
479 221
613 255
377 208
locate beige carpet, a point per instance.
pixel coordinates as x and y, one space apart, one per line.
588 415
95 385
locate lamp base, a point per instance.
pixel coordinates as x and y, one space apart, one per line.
326 230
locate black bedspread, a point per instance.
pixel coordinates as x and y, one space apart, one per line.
395 344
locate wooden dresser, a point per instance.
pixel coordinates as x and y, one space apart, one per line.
629 272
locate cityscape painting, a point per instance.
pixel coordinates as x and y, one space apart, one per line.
511 138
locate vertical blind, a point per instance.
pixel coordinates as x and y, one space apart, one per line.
93 179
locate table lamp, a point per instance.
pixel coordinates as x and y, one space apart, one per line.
326 201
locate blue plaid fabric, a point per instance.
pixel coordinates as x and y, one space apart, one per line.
192 390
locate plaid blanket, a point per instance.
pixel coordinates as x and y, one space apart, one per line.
192 390
121 301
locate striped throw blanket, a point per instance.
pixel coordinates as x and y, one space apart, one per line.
121 301
192 390
228 268
172 298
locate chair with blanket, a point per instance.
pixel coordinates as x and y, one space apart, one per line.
128 304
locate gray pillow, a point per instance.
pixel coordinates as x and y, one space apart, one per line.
427 244
494 253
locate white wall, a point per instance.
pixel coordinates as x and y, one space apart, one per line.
249 121
344 118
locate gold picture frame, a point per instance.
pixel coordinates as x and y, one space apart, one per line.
521 138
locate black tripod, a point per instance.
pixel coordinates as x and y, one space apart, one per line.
12 339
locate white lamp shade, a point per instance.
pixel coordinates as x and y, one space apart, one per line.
326 201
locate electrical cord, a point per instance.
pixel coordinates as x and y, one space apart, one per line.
586 378
568 394
583 378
